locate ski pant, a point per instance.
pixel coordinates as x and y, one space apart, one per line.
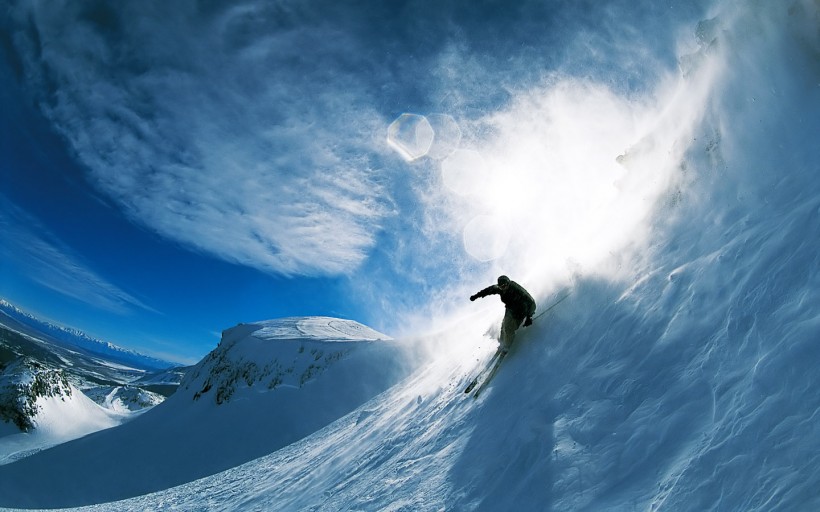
509 325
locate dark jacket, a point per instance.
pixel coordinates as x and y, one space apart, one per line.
515 298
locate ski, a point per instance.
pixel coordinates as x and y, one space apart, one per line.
487 368
471 385
490 375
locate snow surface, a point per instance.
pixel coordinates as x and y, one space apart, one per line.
685 380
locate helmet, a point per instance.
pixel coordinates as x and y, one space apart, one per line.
502 280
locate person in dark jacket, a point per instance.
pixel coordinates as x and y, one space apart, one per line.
520 306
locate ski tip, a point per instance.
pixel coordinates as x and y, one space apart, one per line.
471 386
479 390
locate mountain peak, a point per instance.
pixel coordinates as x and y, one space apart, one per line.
285 352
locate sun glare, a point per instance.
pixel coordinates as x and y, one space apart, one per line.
568 176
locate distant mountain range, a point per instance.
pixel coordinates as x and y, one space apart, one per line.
81 340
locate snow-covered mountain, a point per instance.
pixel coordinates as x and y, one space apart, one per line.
684 379
266 385
284 353
76 338
83 368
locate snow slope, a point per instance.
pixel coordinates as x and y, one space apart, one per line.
684 379
60 416
265 386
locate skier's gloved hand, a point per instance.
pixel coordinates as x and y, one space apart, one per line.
472 298
528 321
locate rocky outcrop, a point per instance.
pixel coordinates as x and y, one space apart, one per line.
22 383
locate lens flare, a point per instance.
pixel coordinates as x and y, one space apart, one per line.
447 136
411 135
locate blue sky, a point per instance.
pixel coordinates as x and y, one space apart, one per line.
171 169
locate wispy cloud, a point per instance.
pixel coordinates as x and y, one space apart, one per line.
245 132
27 247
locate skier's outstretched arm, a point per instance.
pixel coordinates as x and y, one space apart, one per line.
490 290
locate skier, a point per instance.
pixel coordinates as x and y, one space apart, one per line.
519 304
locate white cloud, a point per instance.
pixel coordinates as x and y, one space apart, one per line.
26 245
227 132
